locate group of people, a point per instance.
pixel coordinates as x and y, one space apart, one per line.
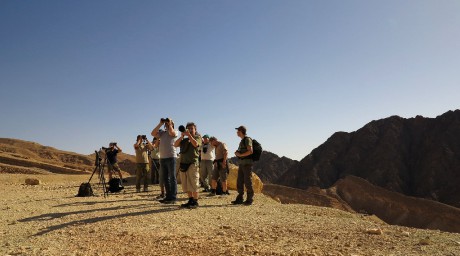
202 160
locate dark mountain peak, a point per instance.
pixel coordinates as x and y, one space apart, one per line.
416 156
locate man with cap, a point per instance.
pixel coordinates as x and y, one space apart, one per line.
206 163
245 163
111 153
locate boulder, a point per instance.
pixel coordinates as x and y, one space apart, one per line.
32 181
233 176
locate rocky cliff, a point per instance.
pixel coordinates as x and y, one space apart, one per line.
417 157
270 166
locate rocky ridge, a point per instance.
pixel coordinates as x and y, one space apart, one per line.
417 157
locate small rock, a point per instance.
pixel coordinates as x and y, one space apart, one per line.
226 227
425 241
374 231
406 234
32 182
220 233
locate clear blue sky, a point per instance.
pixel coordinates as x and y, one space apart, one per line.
76 75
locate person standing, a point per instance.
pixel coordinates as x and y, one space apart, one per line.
189 153
221 169
245 164
142 147
112 161
206 163
167 158
157 176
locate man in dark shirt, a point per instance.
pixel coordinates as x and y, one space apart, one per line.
112 164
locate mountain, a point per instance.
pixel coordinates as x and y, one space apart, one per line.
418 157
270 166
18 156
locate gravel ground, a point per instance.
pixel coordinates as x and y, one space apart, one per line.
48 219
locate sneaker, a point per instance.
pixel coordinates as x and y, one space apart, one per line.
161 196
206 190
213 192
238 201
167 201
248 202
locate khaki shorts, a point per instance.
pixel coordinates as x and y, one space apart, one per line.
190 179
113 167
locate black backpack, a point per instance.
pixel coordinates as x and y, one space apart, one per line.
256 150
85 190
115 185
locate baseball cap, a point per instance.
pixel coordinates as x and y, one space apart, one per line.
241 128
205 136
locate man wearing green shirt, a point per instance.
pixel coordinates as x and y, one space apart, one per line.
245 163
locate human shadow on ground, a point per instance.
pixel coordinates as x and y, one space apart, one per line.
50 216
103 218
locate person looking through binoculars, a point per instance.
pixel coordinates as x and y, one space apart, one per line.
111 153
167 158
142 147
189 153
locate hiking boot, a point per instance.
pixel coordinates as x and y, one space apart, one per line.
194 204
238 200
187 205
248 202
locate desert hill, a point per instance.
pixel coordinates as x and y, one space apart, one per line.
354 194
18 156
417 157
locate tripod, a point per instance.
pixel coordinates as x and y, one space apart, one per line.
99 167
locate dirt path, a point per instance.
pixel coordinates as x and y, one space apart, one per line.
49 220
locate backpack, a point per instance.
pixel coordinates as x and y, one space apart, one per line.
256 150
85 190
115 185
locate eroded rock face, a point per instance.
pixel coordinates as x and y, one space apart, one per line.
395 208
417 157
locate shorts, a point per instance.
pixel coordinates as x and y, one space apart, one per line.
190 179
220 172
113 167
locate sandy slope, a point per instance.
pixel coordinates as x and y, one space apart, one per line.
48 220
